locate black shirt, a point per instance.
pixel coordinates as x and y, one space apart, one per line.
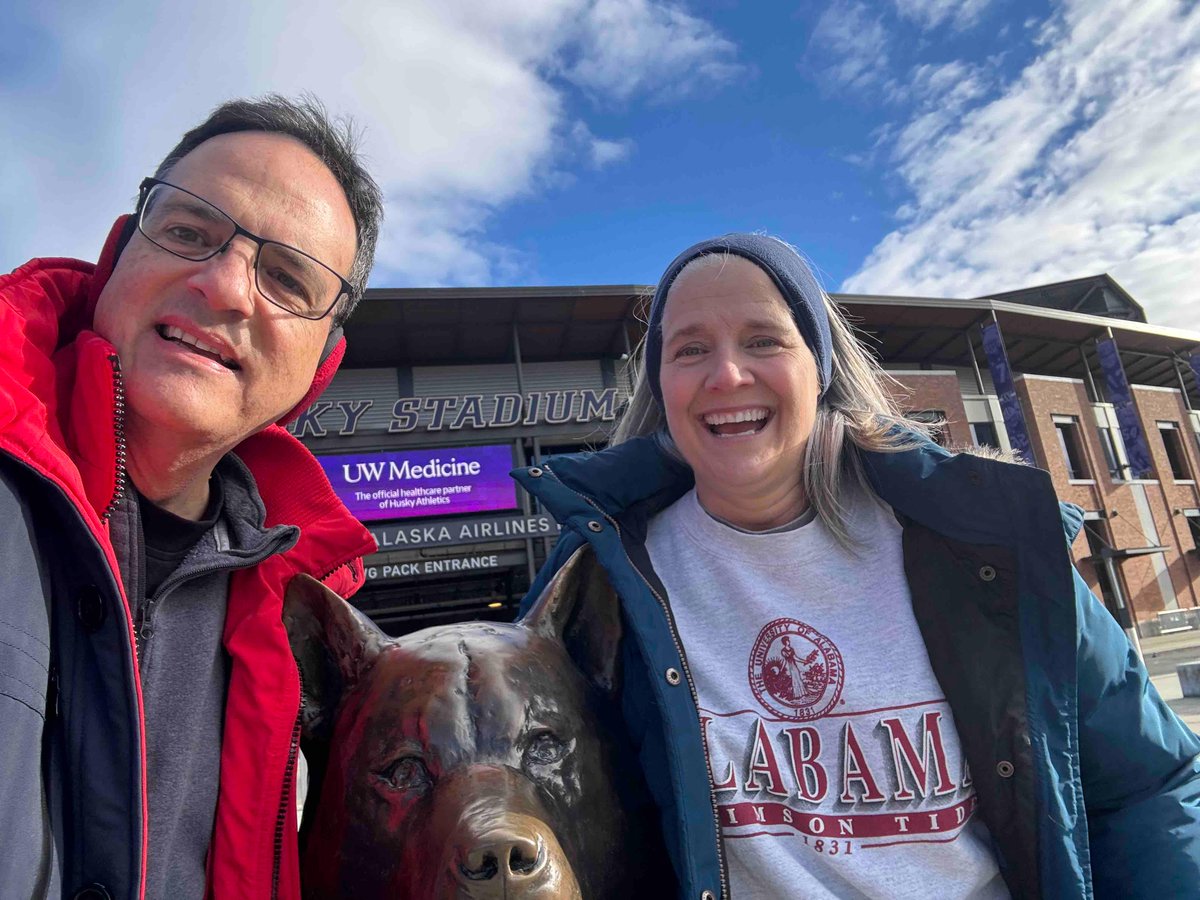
168 538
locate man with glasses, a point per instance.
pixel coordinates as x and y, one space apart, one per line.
152 512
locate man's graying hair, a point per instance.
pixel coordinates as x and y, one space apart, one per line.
334 142
855 413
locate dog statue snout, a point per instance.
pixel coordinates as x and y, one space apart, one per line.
508 856
514 856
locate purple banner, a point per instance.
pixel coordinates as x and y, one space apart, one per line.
1127 417
410 483
1006 391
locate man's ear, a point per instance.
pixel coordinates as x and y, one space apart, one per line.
331 358
334 338
334 645
580 608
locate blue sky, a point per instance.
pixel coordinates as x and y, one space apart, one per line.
921 147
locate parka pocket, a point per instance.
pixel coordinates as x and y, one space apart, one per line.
24 667
24 604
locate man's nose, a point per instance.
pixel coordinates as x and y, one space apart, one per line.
227 280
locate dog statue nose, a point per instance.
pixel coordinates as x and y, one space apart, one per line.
507 856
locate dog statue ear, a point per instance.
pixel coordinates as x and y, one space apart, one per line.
580 608
334 645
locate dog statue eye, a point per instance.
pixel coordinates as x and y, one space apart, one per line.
545 749
406 774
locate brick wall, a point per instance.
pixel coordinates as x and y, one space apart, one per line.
1042 399
934 391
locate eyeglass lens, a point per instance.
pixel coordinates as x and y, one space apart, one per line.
192 228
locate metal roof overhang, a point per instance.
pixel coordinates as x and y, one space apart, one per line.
432 326
931 331
438 326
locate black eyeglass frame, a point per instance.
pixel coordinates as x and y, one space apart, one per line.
144 192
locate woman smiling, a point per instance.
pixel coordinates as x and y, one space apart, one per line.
855 664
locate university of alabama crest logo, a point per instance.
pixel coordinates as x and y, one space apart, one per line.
795 671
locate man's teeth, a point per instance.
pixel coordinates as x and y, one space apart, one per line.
743 415
171 333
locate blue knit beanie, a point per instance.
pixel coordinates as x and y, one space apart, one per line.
788 271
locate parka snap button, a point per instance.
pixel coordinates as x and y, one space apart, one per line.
673 677
535 472
1005 769
595 526
987 573
89 608
92 892
708 895
974 477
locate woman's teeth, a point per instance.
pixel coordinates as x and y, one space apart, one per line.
742 421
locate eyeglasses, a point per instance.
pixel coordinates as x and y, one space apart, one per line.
190 227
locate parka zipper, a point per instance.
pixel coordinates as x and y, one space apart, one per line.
289 776
336 568
687 672
119 476
119 433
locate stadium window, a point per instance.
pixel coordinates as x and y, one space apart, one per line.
549 452
1067 428
1192 516
1169 432
1109 444
936 420
1098 540
983 434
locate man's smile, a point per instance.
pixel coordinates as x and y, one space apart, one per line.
196 345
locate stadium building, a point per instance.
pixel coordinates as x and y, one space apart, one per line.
444 390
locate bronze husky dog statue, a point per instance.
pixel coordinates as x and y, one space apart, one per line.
469 761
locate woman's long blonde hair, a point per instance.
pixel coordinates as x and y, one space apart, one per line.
855 413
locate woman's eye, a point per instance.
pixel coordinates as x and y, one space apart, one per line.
764 342
545 749
406 774
690 350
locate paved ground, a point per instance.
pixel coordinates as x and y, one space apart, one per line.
1162 655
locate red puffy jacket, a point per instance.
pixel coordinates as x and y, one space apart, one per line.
59 389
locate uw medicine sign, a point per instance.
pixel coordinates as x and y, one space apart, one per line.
454 413
411 483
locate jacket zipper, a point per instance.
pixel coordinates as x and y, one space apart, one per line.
289 776
120 474
336 568
119 432
687 672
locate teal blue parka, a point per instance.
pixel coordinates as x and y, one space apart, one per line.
1088 783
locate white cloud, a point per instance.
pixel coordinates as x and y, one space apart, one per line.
464 106
604 153
1086 162
627 46
848 47
599 152
928 14
941 94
